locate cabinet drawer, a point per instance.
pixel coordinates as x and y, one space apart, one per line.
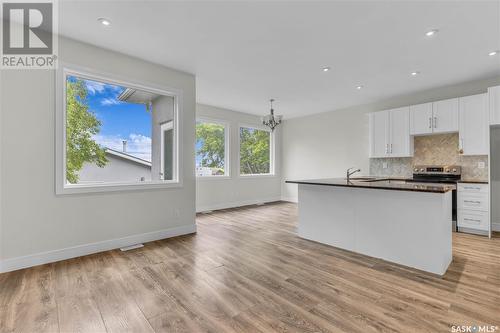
473 188
473 220
473 202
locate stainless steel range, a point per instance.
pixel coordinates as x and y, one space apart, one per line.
448 174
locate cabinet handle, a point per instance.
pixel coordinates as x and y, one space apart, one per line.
471 220
473 201
435 122
391 148
430 122
472 188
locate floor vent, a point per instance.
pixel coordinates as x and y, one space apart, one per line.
131 247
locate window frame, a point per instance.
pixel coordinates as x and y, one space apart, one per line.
227 147
61 186
272 152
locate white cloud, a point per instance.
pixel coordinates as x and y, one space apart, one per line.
138 145
110 101
93 87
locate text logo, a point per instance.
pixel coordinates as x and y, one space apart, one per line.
28 31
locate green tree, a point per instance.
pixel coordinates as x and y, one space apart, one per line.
210 138
81 126
254 151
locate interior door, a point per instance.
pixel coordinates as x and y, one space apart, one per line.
474 125
379 134
400 144
421 119
445 118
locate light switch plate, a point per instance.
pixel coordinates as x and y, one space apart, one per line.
481 165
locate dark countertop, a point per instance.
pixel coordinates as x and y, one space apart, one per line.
380 183
472 181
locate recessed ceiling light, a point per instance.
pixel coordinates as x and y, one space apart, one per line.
492 53
431 32
359 87
104 21
326 69
415 73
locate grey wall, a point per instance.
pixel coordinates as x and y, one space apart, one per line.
326 144
33 218
212 193
116 170
163 110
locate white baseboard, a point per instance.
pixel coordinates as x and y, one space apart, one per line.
234 204
13 264
495 226
290 199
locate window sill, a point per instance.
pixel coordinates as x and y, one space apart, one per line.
211 178
115 187
267 175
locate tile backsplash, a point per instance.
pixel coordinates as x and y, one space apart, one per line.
441 149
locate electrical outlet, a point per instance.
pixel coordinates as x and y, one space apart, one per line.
481 165
385 165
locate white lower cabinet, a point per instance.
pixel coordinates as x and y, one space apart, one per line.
473 207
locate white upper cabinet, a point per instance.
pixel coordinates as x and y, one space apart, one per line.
445 116
434 118
421 119
494 101
379 134
400 144
390 133
474 125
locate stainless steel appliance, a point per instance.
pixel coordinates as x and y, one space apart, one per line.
448 174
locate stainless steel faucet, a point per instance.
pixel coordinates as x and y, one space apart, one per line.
350 173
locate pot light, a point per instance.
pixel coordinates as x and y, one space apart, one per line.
431 32
104 21
415 73
492 53
326 69
359 87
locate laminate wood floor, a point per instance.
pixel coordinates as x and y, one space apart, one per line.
247 271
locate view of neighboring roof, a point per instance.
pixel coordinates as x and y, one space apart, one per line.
128 157
136 96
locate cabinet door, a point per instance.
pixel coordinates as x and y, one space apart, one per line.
445 119
379 134
421 119
494 101
400 143
474 125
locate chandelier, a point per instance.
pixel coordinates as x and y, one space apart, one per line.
271 120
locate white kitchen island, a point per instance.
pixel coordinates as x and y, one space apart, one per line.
408 224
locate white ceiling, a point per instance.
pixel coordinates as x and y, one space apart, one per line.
244 53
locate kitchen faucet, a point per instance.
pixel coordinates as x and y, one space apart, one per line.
350 173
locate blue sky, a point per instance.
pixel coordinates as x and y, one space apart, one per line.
119 120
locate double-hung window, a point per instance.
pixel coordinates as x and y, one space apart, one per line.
114 135
256 156
212 148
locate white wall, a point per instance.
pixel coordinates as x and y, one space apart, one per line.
236 191
495 178
326 144
34 220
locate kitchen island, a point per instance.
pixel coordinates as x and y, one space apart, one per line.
405 223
